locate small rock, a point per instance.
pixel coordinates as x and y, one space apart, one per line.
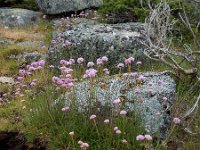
7 80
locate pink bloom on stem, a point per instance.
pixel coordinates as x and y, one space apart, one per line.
148 137
176 120
140 138
90 64
141 77
164 98
65 109
124 141
123 112
160 82
120 65
115 128
106 121
99 61
84 146
71 133
80 60
116 101
91 73
106 71
104 59
92 117
138 63
118 132
137 90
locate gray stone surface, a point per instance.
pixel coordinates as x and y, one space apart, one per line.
148 105
4 41
29 44
7 80
18 17
92 40
61 6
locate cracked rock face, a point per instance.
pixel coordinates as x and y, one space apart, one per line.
153 105
18 17
92 41
62 6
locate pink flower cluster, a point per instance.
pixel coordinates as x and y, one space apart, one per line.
144 137
65 83
90 73
30 69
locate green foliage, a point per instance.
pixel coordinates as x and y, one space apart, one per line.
25 4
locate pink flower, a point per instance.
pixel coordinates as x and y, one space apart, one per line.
116 101
71 133
120 65
90 64
23 101
65 109
140 138
176 120
80 142
91 73
99 61
138 63
127 61
80 60
84 146
118 132
134 74
141 77
72 61
160 82
115 128
137 90
124 141
104 59
41 63
106 121
106 71
148 137
123 112
63 62
92 117
23 107
164 98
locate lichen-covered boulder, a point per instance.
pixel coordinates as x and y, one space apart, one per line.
62 6
151 101
92 41
18 17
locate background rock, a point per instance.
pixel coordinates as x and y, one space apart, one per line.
92 41
61 6
18 17
154 111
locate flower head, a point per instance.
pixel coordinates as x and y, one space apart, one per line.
140 138
71 133
80 60
123 112
176 120
120 65
118 131
90 64
92 117
148 137
116 101
106 121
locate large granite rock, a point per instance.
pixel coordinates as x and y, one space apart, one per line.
61 6
18 17
92 41
152 103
